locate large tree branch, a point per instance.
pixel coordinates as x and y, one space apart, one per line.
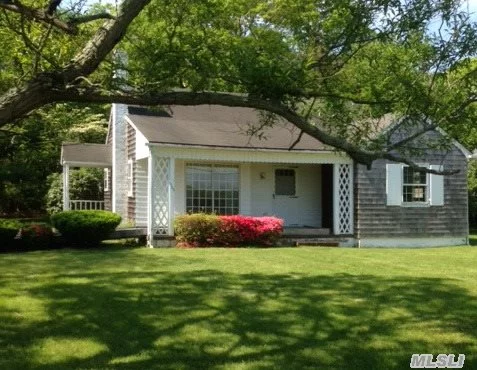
18 102
360 155
47 16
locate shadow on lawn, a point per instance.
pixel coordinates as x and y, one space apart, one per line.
204 319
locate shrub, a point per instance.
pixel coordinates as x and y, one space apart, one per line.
207 230
195 230
8 230
236 230
85 227
36 236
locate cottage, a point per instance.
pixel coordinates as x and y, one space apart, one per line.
164 162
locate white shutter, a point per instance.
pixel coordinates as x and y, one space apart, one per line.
394 184
436 196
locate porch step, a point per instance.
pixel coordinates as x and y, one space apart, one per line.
305 231
132 232
317 242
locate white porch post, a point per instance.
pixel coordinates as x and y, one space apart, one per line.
66 187
171 195
343 203
160 196
150 197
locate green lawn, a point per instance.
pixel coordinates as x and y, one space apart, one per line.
287 308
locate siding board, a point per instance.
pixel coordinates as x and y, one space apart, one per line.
377 220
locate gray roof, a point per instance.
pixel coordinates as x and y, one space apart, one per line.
217 126
87 155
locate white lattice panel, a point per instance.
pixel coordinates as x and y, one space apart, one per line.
344 199
160 196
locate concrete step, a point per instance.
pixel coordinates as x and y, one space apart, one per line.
305 231
327 241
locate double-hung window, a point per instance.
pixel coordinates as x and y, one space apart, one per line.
414 185
406 186
212 188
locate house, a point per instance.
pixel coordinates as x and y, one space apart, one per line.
160 163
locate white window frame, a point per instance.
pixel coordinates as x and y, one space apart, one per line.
130 178
427 187
213 165
107 185
395 185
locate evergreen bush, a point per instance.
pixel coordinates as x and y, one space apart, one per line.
85 227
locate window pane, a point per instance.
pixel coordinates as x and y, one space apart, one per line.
411 176
412 193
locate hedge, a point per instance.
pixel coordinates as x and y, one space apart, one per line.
8 230
85 227
202 230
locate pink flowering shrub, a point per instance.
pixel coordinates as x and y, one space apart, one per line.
210 230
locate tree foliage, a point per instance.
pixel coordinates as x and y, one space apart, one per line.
31 152
337 69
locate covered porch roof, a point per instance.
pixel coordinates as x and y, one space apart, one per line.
86 155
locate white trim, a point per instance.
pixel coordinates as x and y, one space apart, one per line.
113 158
211 147
141 153
171 194
150 195
351 198
130 177
336 207
66 187
411 242
87 164
106 182
110 121
249 155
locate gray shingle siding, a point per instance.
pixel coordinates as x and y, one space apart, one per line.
374 219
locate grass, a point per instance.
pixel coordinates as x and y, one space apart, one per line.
285 308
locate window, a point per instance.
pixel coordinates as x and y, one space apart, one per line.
408 187
212 189
414 186
106 179
285 182
130 178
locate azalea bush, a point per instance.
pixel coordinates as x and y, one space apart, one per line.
202 230
197 229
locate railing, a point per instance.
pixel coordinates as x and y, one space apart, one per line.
76 205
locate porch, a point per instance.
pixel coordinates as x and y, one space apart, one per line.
75 155
311 191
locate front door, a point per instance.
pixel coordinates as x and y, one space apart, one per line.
285 199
